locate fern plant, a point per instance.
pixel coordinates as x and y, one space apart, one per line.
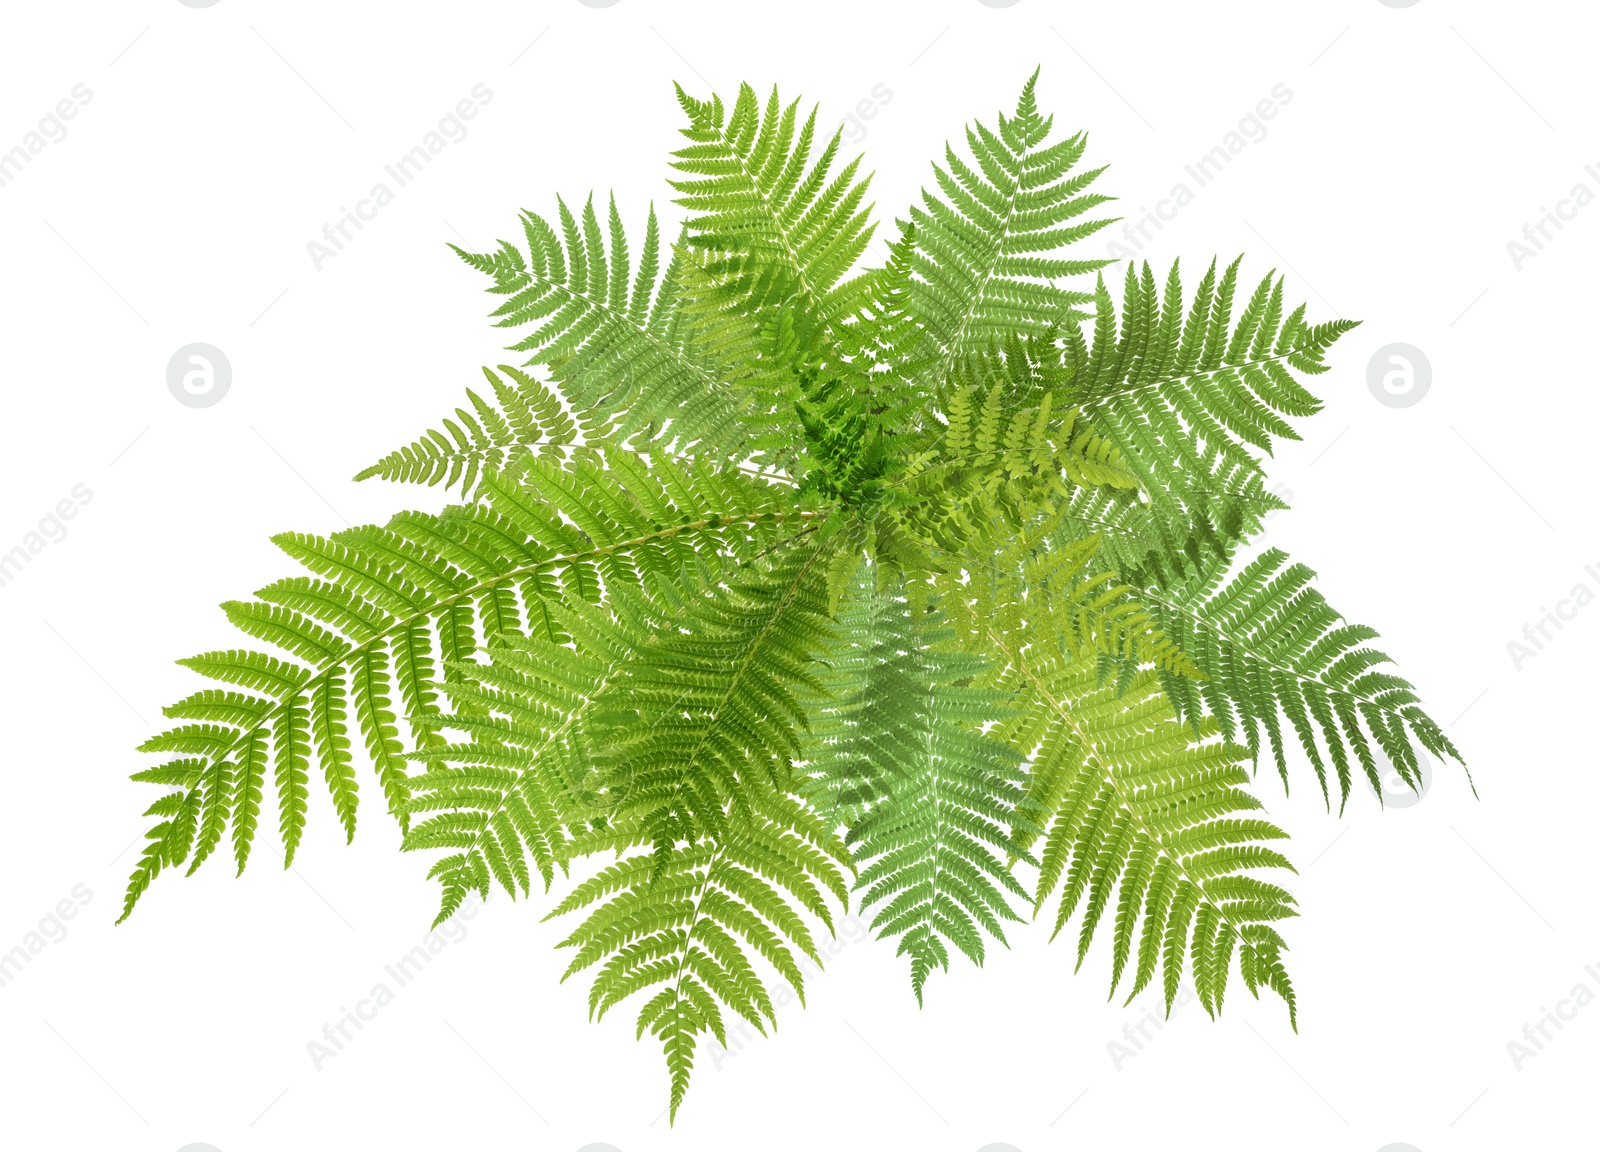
781 579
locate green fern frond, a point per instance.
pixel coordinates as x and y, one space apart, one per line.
1027 584
527 419
774 225
899 752
776 566
389 615
883 344
1269 645
1142 810
989 244
565 734
996 468
1190 395
512 794
613 336
711 709
698 924
1156 541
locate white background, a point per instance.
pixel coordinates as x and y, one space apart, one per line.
178 208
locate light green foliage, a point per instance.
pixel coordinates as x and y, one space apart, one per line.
694 923
1267 643
388 616
1139 807
781 576
527 421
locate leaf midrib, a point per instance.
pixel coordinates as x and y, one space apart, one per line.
1092 751
404 624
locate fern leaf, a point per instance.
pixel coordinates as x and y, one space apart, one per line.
1143 811
714 705
527 419
392 613
624 358
515 792
694 925
1191 396
1268 645
931 801
291 737
772 220
988 243
774 567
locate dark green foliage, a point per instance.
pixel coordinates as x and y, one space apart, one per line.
899 753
